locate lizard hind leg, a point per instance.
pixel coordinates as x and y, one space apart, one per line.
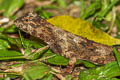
71 65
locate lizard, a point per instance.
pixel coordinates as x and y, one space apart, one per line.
63 42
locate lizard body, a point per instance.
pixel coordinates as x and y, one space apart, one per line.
63 42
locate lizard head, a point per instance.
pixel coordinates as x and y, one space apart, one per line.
29 22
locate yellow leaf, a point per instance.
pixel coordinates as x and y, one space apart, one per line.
84 29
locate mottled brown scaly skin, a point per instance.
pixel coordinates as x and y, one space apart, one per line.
63 42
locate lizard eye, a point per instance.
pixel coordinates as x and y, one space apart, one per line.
26 20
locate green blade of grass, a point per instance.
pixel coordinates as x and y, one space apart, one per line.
33 71
117 56
10 55
100 15
91 9
106 72
61 3
13 6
